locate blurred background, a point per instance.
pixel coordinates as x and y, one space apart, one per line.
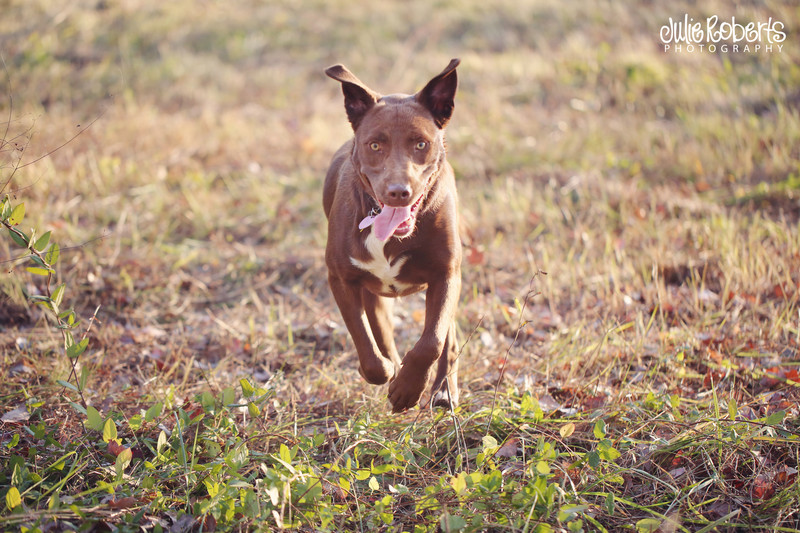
183 146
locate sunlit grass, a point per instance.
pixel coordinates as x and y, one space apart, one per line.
647 384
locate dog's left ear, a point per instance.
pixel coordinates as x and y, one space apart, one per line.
438 95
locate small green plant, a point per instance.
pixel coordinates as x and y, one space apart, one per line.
40 255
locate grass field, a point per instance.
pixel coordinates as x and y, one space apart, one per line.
630 312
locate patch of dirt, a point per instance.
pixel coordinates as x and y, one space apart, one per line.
680 274
776 205
13 314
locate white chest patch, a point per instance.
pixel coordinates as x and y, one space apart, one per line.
380 267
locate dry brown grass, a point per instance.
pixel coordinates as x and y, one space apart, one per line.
658 191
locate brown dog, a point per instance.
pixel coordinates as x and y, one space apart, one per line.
390 199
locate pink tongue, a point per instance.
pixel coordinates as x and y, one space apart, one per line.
388 219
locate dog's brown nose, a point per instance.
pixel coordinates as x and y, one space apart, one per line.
399 192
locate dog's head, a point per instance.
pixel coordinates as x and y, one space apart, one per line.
399 143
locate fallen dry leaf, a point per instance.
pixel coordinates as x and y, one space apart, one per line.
475 256
115 448
123 503
508 449
18 414
762 487
567 430
712 377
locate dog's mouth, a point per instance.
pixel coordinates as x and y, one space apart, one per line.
407 226
393 221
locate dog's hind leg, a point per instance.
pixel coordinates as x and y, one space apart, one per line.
379 315
444 392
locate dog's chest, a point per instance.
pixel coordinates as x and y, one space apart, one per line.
385 270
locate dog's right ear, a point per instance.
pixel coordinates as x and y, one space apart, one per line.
358 98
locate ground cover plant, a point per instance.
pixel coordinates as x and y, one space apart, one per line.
171 358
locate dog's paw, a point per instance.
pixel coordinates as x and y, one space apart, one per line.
377 372
442 399
406 388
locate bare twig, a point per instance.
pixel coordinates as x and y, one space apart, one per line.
521 323
61 250
64 321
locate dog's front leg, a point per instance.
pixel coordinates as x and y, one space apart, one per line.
379 316
372 366
406 388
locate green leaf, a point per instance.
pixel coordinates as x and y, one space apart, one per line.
123 460
61 462
42 242
93 418
39 271
53 254
84 377
58 294
17 464
38 261
17 214
489 444
607 451
109 431
648 525
575 526
775 418
382 468
161 442
228 396
675 401
542 468
459 483
284 454
274 495
135 422
154 411
449 522
207 401
570 512
594 459
600 429
733 409
20 238
13 498
247 388
76 349
67 385
78 408
610 504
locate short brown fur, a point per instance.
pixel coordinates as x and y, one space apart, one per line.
396 158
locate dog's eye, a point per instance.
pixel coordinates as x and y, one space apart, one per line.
421 145
374 146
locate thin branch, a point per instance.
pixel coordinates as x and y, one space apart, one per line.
62 145
62 250
521 323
